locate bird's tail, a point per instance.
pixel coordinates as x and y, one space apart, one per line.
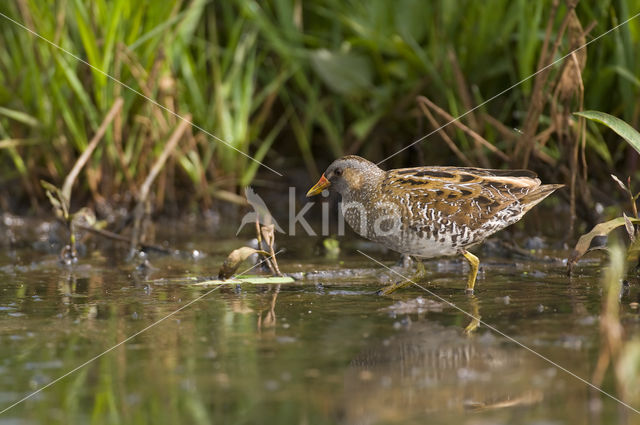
531 199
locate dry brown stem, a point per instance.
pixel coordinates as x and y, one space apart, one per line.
475 136
139 211
461 156
82 160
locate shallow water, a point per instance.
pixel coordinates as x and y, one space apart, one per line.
324 349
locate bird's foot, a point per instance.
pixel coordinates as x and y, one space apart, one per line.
387 290
474 263
420 273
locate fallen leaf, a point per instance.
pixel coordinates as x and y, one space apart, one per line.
601 229
234 259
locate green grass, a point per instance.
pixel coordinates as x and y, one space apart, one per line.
290 83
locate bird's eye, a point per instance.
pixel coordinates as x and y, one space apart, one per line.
337 171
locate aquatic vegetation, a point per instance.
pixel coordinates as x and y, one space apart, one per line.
179 59
632 137
208 85
265 234
141 233
234 259
331 247
84 216
618 350
285 81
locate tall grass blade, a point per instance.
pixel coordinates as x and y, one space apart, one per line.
624 130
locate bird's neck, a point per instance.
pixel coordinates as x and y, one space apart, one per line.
366 189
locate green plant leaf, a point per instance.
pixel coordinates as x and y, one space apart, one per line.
627 75
59 202
254 280
601 229
629 366
624 130
633 252
363 126
19 116
13 143
261 280
263 149
343 72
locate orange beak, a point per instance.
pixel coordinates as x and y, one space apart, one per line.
322 184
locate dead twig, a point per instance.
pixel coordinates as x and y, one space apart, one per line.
475 136
119 238
260 247
61 198
568 88
269 236
461 156
139 211
82 160
506 132
525 146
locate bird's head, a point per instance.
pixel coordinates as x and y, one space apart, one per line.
346 174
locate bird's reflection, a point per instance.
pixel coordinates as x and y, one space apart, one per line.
432 368
475 315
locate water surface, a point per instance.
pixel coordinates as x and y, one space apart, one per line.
324 349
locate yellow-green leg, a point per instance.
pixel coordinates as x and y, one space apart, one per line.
473 273
418 275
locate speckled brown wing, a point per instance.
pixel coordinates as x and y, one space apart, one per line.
468 202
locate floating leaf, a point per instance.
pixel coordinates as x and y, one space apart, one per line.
601 229
624 130
254 280
234 259
261 280
217 282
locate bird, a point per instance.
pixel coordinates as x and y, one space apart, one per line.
431 211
